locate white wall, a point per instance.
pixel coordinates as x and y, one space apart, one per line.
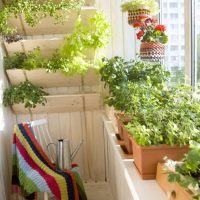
7 120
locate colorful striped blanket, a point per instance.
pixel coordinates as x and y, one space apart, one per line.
33 171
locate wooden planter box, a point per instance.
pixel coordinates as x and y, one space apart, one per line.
146 158
63 103
42 78
173 190
121 120
127 140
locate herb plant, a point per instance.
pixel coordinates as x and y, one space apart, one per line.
71 58
20 60
169 116
25 93
123 77
187 172
34 12
151 5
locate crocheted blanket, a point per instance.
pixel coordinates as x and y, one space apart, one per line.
33 171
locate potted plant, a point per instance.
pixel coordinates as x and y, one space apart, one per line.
153 39
121 76
187 172
164 127
182 179
71 58
114 73
138 9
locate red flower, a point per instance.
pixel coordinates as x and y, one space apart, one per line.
161 28
143 17
140 34
136 24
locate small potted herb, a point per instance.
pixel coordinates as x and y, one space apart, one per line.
138 9
153 38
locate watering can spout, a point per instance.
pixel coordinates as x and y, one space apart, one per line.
76 150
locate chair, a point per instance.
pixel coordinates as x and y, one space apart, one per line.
30 147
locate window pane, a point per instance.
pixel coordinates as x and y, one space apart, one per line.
173 17
197 39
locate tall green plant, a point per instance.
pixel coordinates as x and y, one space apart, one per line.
34 12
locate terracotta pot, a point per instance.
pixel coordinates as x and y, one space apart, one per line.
146 158
135 15
173 190
121 120
152 51
127 140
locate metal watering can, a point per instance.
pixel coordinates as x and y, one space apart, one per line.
64 156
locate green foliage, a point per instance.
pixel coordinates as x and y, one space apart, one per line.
167 116
71 58
187 172
151 5
25 93
20 60
125 78
34 12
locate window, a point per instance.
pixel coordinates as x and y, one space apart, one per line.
196 35
176 32
173 4
174 48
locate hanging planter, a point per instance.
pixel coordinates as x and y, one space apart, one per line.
139 9
152 51
136 15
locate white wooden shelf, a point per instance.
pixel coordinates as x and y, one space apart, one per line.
48 26
42 78
63 103
124 178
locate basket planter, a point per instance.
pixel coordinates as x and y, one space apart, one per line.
135 15
127 140
172 190
152 51
146 158
121 120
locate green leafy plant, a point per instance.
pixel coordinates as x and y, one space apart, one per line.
169 116
25 93
151 5
71 58
187 172
119 75
21 60
34 12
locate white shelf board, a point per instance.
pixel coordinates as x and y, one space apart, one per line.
138 189
42 78
63 103
48 26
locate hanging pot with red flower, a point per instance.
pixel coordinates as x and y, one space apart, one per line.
153 39
139 9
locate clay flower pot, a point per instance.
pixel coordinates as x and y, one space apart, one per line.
121 120
135 15
152 51
127 140
146 158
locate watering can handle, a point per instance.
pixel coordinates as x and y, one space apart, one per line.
50 152
76 150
